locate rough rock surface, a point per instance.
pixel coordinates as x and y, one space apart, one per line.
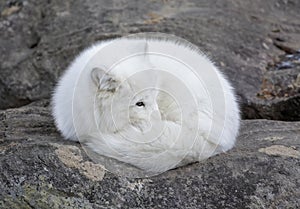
255 42
41 170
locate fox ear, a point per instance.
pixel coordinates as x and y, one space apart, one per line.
103 80
139 47
145 47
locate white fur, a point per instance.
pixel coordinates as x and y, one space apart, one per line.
206 125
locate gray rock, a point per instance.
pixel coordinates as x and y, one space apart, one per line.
41 170
40 38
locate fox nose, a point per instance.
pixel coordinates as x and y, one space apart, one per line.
155 107
155 115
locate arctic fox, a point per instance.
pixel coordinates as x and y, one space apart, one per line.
155 103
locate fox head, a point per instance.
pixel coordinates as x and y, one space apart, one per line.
124 102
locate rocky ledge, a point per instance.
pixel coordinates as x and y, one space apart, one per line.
41 170
255 43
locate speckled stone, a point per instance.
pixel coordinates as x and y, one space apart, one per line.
41 170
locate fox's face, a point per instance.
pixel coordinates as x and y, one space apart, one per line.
123 104
143 106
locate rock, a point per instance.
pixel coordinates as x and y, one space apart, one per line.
280 89
41 170
39 39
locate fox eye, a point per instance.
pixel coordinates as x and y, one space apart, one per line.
140 104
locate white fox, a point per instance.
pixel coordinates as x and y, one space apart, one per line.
166 106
